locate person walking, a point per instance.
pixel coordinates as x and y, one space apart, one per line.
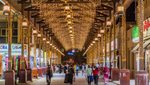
95 75
106 74
77 70
65 69
60 68
49 75
89 75
66 77
83 70
70 75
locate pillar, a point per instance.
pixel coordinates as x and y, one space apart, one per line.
141 77
9 38
105 44
124 42
35 44
9 74
29 70
110 51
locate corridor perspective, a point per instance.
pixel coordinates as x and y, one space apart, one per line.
74 42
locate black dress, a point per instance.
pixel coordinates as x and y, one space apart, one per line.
70 75
49 75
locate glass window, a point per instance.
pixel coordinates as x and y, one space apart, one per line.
15 25
14 39
15 32
3 32
2 39
3 25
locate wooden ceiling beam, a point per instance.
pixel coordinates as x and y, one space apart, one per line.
35 15
99 15
109 7
106 1
73 9
23 1
65 17
39 20
31 8
70 2
47 30
106 15
99 20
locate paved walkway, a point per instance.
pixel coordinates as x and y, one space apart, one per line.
58 79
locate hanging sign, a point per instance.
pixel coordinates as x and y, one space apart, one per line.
15 48
135 34
146 28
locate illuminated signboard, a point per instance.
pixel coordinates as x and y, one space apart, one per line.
146 28
15 48
135 34
146 31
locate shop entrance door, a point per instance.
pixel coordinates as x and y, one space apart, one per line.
147 61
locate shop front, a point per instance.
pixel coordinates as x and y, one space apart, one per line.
114 56
146 46
16 53
40 68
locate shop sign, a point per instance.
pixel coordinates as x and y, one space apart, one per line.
3 47
135 34
146 31
16 49
146 28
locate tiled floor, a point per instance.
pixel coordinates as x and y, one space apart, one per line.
58 79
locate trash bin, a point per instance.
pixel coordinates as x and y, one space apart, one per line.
29 74
124 77
115 74
141 78
22 76
9 78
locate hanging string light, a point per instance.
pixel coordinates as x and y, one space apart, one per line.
34 31
24 23
108 23
99 35
39 35
96 39
6 9
44 39
120 8
102 31
47 42
69 20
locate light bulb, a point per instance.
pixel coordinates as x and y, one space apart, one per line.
99 35
6 10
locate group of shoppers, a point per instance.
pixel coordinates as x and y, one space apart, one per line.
92 72
69 74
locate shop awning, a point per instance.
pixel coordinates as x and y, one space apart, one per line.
146 43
